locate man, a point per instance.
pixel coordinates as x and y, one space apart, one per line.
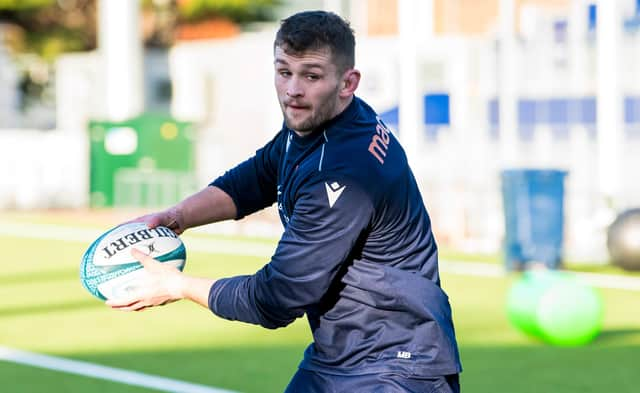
357 255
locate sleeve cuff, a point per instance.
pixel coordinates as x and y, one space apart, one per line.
214 294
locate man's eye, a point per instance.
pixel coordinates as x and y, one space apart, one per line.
313 77
284 73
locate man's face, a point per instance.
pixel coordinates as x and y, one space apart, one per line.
308 88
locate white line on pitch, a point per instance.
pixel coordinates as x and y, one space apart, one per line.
265 250
493 270
103 372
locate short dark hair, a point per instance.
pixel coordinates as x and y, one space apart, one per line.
313 30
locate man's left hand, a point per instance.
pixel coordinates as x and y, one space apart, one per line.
163 284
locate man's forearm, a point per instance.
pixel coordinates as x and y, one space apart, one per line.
196 289
205 207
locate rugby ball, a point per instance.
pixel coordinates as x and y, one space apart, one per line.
108 270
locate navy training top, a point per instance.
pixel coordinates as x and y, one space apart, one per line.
357 254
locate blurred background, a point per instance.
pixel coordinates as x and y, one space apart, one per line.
520 118
139 103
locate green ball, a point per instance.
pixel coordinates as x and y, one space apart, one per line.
523 299
570 313
555 307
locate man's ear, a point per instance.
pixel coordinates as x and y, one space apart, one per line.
350 81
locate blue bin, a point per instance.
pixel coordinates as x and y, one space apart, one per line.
533 203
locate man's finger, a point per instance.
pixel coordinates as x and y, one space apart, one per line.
143 258
153 221
133 307
121 302
126 304
150 220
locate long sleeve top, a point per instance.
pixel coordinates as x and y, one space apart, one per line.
357 254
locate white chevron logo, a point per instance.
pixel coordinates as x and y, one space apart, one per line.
334 190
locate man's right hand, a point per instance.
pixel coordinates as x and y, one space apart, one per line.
170 218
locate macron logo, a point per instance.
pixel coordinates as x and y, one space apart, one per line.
334 190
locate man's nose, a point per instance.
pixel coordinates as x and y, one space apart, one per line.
294 88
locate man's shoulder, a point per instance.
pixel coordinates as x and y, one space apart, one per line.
359 149
368 145
361 158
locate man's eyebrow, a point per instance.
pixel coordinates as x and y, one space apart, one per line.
303 65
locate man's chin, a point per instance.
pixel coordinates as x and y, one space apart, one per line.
301 127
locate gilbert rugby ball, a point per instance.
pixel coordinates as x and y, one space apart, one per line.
108 270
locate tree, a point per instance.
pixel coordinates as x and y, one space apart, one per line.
51 27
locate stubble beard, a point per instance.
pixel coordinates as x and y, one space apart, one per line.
325 111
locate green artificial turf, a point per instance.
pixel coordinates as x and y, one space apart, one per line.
44 309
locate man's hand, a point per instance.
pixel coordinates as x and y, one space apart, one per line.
164 284
170 218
